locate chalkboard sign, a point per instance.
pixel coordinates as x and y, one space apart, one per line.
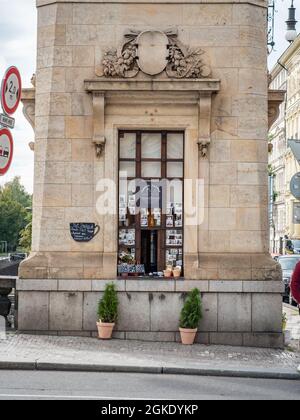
84 232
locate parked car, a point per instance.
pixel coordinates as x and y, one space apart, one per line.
296 246
17 256
288 264
5 152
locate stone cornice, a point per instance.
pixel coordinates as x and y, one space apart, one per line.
145 285
164 85
201 88
285 58
260 3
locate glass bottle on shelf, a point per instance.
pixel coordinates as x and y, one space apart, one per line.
151 219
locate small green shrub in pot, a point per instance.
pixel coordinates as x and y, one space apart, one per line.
108 312
190 317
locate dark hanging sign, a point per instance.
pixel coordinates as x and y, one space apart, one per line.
84 232
295 186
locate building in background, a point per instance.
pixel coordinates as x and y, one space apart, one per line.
282 163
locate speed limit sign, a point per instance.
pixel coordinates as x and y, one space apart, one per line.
6 150
11 91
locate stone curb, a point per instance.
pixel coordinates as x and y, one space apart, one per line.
288 374
235 373
12 365
98 368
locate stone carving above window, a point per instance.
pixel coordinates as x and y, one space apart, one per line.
186 63
153 52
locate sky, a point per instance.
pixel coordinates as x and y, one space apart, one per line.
18 47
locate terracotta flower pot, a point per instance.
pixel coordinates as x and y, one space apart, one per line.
176 273
188 336
105 330
167 274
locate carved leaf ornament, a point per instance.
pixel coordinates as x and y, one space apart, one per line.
153 52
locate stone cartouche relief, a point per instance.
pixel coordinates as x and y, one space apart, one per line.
153 52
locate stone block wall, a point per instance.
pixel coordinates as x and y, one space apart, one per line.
234 313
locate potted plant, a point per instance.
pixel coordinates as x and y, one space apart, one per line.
177 272
190 317
123 270
126 264
168 273
107 312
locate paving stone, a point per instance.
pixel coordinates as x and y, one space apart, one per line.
22 347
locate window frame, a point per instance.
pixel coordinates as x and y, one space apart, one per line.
164 160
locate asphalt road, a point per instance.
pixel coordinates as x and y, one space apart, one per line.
104 386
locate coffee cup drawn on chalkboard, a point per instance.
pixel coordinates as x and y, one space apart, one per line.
84 232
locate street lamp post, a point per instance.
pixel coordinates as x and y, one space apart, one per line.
271 24
291 33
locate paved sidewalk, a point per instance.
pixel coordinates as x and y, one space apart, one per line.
89 354
293 325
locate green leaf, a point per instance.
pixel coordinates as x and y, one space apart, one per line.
108 305
191 313
15 214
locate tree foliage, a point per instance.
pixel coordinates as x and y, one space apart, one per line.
191 313
15 213
25 237
15 191
108 305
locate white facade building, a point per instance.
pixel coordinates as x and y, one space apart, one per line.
285 76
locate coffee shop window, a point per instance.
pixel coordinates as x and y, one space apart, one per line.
151 231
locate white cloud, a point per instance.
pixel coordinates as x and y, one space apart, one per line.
18 47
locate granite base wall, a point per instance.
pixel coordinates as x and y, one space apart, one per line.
238 313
